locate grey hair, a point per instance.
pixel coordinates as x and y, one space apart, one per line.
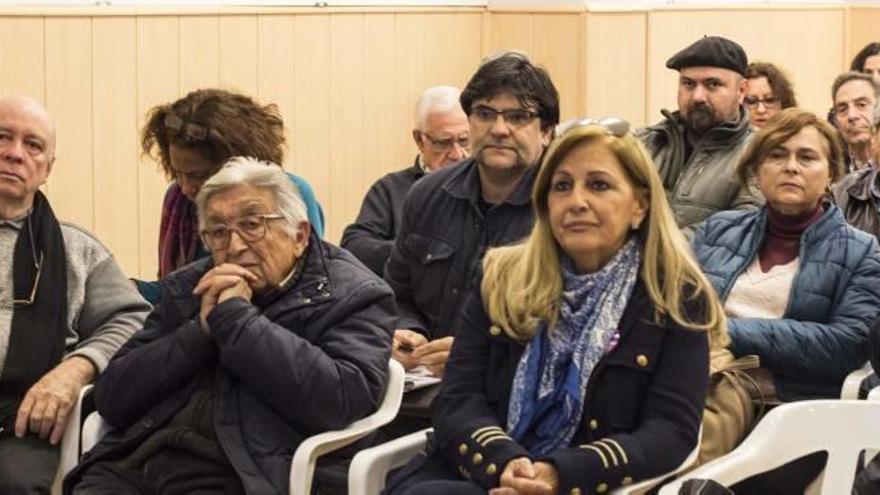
248 171
439 99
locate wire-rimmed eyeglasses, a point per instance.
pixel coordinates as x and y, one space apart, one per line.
251 228
38 264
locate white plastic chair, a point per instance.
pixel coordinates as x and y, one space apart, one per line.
843 428
850 388
70 441
302 467
366 475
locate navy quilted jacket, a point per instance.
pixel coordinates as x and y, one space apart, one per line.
834 299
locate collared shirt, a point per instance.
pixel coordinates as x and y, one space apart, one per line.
443 236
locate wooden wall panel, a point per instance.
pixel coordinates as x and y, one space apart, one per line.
615 57
198 53
346 82
69 101
115 137
22 52
813 59
558 44
313 134
275 72
346 122
157 84
862 29
238 53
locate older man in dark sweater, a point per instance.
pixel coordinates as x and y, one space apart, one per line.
441 135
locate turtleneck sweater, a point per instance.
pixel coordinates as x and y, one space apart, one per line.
783 239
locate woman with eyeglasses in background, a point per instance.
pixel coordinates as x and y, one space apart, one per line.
192 138
768 93
583 362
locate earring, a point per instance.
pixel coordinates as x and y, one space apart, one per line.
636 224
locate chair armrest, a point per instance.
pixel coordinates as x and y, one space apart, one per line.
850 388
94 428
70 442
366 475
302 467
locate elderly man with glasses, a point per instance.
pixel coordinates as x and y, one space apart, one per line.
275 337
65 305
453 215
441 134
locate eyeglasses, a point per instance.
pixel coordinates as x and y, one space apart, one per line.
447 144
615 126
517 117
769 102
38 264
190 131
251 228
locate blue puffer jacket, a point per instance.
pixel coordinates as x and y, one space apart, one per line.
834 298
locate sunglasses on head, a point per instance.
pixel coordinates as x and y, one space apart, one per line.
615 126
190 131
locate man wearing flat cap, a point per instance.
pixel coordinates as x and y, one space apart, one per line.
696 149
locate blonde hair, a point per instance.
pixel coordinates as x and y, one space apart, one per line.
522 284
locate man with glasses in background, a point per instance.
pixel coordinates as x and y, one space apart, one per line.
441 134
65 305
452 216
696 149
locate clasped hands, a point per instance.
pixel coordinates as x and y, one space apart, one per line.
521 476
219 284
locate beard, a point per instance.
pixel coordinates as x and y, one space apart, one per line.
700 118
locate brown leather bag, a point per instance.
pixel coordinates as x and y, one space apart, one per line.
734 404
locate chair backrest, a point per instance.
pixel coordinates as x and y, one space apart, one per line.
843 428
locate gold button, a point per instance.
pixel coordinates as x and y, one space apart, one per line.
627 480
491 469
495 330
462 449
602 488
594 423
478 459
642 360
575 491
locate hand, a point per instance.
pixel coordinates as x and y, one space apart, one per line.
219 284
47 404
434 355
404 345
521 477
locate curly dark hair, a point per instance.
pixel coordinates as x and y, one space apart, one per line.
858 62
216 123
513 72
779 83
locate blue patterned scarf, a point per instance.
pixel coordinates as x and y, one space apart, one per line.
547 400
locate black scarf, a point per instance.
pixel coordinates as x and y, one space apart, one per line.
36 340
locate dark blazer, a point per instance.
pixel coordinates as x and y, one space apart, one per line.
372 235
313 358
445 231
642 412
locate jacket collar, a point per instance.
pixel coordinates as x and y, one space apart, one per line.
866 185
820 229
311 286
464 183
720 136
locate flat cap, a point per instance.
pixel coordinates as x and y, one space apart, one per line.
711 51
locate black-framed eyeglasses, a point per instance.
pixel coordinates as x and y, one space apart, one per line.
515 117
615 126
447 143
769 102
189 130
38 264
251 228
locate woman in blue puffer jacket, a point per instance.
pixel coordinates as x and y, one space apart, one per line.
799 285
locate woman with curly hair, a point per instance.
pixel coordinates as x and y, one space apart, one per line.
192 138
